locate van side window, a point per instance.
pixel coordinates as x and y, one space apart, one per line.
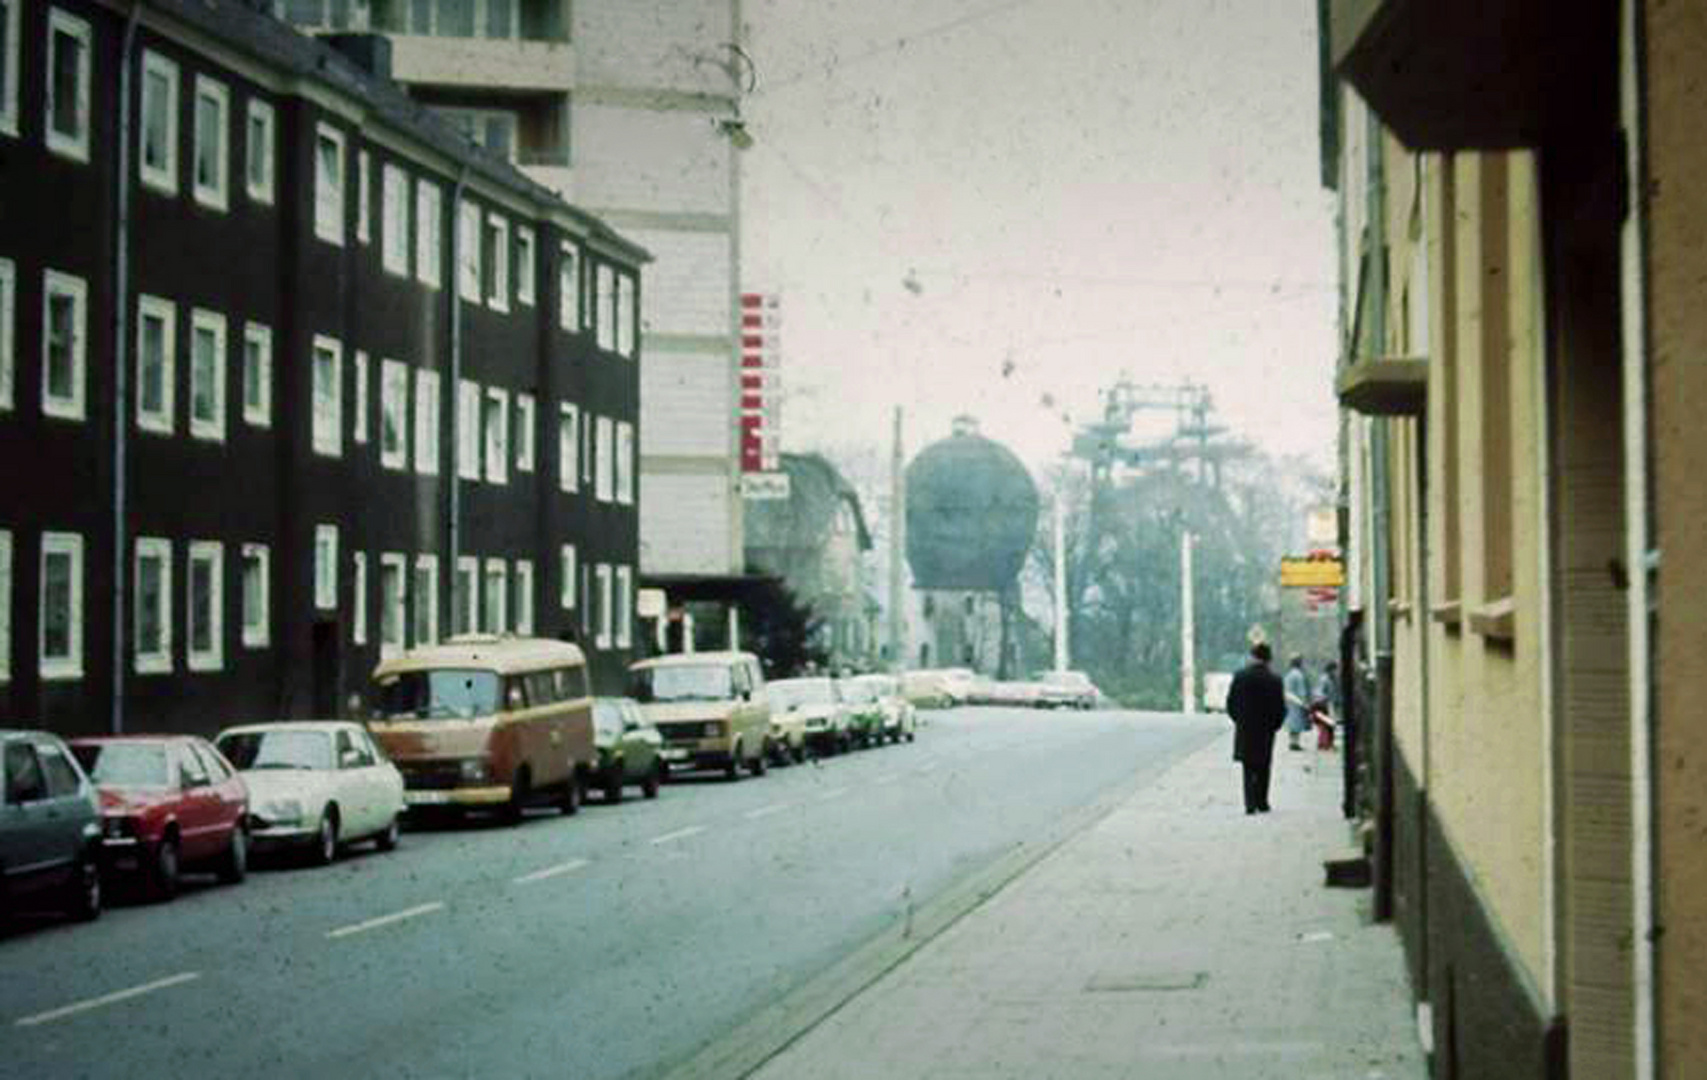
542 687
571 683
515 693
743 681
24 781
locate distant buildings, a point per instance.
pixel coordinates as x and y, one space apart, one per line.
290 376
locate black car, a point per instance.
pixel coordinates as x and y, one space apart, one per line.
50 828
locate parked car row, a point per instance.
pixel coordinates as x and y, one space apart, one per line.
947 687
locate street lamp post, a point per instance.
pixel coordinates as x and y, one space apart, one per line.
1187 626
1060 576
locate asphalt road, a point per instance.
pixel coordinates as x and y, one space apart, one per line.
610 944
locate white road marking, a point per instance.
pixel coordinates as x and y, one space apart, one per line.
385 920
833 793
767 811
108 999
550 872
679 834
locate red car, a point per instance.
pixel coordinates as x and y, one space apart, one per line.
168 802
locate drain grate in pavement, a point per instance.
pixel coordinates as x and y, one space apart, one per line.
1147 982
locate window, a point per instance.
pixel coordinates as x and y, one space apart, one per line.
468 430
152 644
426 599
603 487
364 198
157 164
497 435
568 447
8 313
61 606
333 15
5 594
524 432
497 257
67 85
328 418
213 133
468 251
358 598
359 434
525 268
569 289
207 375
625 463
395 221
492 618
602 574
393 590
465 594
427 423
329 186
64 305
624 606
206 587
258 152
566 560
625 328
394 414
493 130
604 307
326 567
257 375
524 597
9 70
429 226
256 618
156 331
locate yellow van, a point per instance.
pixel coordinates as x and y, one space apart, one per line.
484 721
710 707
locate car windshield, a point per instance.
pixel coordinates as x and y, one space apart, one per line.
125 765
682 682
447 694
278 749
792 693
607 714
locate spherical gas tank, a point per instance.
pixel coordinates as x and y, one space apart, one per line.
971 513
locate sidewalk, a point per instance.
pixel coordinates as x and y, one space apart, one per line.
1176 938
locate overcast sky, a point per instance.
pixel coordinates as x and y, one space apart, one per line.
969 204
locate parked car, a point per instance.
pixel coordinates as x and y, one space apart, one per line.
315 786
817 703
712 710
1066 690
628 747
1013 693
788 731
926 689
960 684
865 711
487 722
50 827
900 719
168 803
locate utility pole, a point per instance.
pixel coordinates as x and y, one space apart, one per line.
1061 574
897 552
1187 627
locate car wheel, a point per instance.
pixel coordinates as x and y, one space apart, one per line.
387 840
325 848
732 770
761 761
83 898
654 777
234 867
613 783
163 869
520 793
569 803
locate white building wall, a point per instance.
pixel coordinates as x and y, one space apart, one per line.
688 290
652 160
692 390
674 511
657 43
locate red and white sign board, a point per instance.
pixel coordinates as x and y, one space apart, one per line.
761 383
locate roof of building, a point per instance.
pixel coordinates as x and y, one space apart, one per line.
805 518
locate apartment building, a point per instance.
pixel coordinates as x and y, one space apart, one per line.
631 110
1521 207
291 377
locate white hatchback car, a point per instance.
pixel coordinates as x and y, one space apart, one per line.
315 785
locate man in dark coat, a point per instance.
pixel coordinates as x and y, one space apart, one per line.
1256 704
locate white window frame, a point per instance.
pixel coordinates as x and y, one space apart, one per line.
604 477
159 660
162 177
624 606
498 273
329 193
495 615
569 287
495 426
213 657
213 428
627 333
624 463
604 306
468 444
428 407
55 283
9 95
393 607
258 342
215 195
569 447
326 567
602 575
468 244
6 598
394 413
429 233
69 666
358 433
261 113
256 633
427 573
465 594
75 145
364 198
568 566
394 220
524 434
327 409
358 597
160 421
522 580
8 321
527 272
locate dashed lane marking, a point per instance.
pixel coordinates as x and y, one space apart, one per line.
386 920
108 999
833 793
550 872
679 834
766 811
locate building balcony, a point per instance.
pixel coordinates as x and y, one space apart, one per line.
509 65
1384 386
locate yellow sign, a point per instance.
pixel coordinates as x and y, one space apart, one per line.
1311 573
